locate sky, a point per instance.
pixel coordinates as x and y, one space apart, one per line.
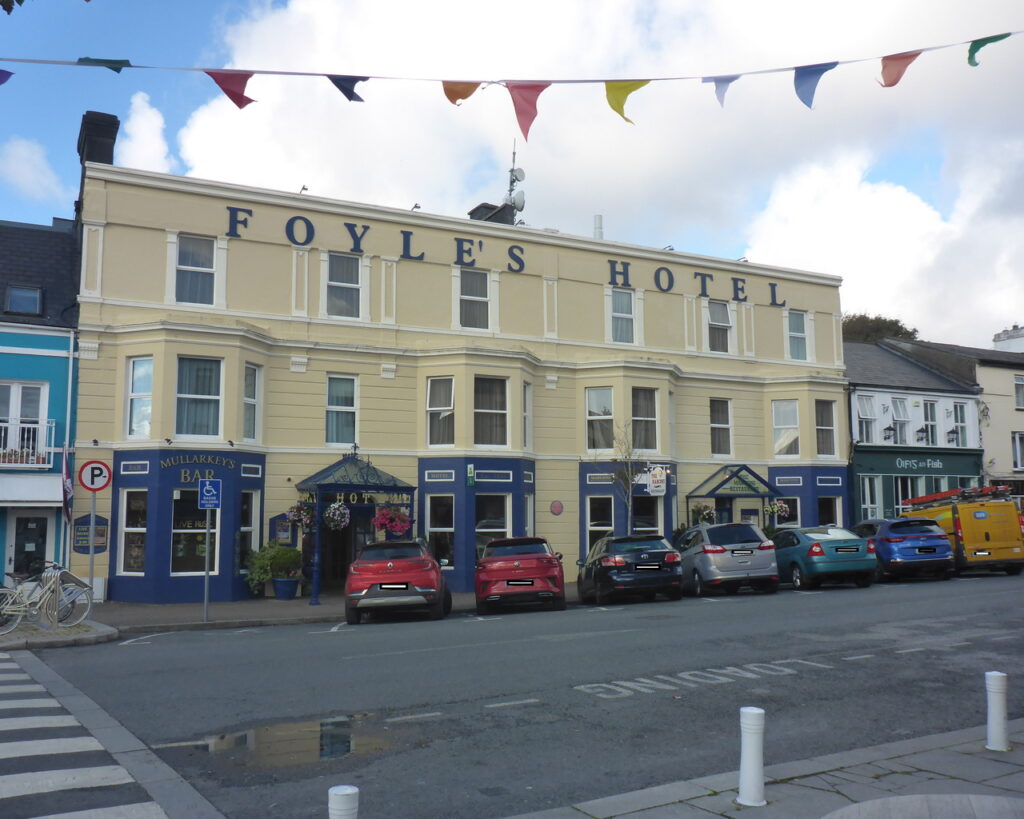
913 194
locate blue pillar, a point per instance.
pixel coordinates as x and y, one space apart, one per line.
314 596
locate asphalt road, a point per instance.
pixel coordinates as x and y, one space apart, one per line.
489 717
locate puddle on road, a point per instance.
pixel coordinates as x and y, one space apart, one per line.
288 743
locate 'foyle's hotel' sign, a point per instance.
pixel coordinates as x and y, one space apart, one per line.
300 231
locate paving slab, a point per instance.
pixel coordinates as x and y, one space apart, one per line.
948 807
960 766
640 800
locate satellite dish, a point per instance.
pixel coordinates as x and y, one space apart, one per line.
518 200
518 174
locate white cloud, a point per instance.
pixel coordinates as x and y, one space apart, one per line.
141 143
24 167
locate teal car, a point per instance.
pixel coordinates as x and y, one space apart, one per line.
812 555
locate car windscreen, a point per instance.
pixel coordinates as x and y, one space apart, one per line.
391 552
735 533
915 527
511 549
829 533
618 547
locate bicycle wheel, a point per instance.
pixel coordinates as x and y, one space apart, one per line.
11 610
74 605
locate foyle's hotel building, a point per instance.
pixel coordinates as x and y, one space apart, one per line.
487 377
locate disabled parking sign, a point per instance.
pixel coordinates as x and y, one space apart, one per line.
209 493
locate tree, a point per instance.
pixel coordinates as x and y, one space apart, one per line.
862 327
8 5
627 471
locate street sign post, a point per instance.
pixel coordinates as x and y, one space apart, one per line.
209 499
95 476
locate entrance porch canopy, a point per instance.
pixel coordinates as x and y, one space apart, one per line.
732 481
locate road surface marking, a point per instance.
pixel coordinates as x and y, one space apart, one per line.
509 704
137 640
8 677
1005 637
954 645
331 630
710 600
414 716
908 650
24 723
24 784
45 747
604 608
801 591
859 657
45 703
20 689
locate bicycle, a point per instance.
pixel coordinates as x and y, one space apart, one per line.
58 596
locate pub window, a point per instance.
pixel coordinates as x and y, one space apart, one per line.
721 427
441 527
527 416
646 515
250 402
440 412
600 432
188 534
825 427
341 409
491 519
645 418
719 326
343 286
490 411
600 520
195 270
870 497
134 520
797 335
622 316
246 535
198 397
786 423
140 397
474 300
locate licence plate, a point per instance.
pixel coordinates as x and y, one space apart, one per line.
983 554
742 551
394 586
649 566
926 550
519 582
847 549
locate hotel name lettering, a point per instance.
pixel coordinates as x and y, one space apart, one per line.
300 232
190 466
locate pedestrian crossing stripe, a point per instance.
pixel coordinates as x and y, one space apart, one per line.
26 784
47 747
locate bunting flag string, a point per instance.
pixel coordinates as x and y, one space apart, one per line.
525 93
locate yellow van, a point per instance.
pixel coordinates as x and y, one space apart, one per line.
984 525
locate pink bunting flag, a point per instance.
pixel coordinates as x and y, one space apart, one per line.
895 65
524 98
232 83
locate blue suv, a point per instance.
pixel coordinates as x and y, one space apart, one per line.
908 547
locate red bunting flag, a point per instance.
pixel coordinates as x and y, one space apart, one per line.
458 91
895 65
524 98
232 83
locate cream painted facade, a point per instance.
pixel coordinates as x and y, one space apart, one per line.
254 336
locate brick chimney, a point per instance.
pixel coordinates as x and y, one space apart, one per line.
97 136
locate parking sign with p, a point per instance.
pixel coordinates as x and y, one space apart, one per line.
94 476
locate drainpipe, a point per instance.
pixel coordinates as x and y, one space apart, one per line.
66 528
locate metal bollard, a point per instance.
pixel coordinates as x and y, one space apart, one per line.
751 758
343 802
995 685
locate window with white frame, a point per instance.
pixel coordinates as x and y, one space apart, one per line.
23 300
931 428
441 527
195 276
528 512
490 411
188 535
646 515
527 415
134 525
341 409
1018 390
721 426
491 520
797 335
474 299
198 399
870 497
1017 446
959 423
793 505
906 487
248 515
600 429
866 418
622 316
786 427
600 518
140 397
250 403
343 285
825 426
719 326
900 421
645 418
22 410
440 412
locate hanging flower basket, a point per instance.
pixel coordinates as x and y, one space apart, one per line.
777 508
392 520
336 516
300 515
703 513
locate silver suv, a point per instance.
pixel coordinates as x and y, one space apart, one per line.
727 556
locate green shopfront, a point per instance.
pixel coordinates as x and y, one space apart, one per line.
883 478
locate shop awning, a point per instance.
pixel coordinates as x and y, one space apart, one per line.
734 481
30 490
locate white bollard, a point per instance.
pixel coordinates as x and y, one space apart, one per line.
751 758
995 685
343 802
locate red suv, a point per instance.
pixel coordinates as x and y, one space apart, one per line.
519 570
397 574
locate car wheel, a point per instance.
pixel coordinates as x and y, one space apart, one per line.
675 594
482 608
946 574
650 597
558 604
601 597
770 587
1014 570
437 611
353 615
732 588
698 585
447 602
864 580
797 577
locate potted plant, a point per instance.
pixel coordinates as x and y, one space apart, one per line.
280 564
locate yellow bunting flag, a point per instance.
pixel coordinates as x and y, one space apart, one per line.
618 91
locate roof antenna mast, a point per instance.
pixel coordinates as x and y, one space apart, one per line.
515 198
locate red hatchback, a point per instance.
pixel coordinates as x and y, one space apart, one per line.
519 570
395 575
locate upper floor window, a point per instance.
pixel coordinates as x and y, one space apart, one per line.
1017 445
474 299
27 301
341 409
490 411
959 435
930 428
900 421
343 286
440 412
786 427
527 415
600 431
797 335
140 397
198 397
645 418
719 326
1018 389
22 409
622 316
195 271
825 427
866 418
250 402
721 426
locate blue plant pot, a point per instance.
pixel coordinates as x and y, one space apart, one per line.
285 587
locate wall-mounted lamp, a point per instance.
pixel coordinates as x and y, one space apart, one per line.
889 432
922 434
95 442
952 437
230 442
167 441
